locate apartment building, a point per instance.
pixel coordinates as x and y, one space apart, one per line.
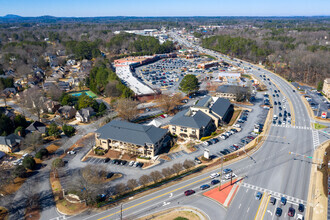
136 139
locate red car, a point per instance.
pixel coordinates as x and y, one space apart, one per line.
250 137
189 192
291 212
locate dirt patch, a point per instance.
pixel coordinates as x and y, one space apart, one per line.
3 213
128 157
234 117
146 165
32 214
165 157
14 186
171 215
52 148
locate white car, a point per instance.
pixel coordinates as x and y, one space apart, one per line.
300 217
228 176
206 143
71 152
131 163
214 175
223 137
237 125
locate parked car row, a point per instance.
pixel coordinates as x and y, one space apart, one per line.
123 162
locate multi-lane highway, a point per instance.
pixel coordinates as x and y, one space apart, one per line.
272 169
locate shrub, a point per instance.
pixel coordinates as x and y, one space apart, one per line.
58 162
20 171
99 151
205 138
42 153
29 163
53 130
68 130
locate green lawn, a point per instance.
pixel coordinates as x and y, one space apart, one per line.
319 126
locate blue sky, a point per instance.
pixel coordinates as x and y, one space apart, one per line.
91 8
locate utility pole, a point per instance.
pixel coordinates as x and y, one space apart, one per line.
221 173
121 211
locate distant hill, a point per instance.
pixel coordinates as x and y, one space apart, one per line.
11 16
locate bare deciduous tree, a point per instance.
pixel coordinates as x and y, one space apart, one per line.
188 164
156 176
168 103
33 141
167 172
132 183
33 99
111 89
127 109
144 180
119 188
177 167
54 92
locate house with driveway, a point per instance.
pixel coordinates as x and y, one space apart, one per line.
136 139
201 119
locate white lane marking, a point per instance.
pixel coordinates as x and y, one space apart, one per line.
271 214
248 209
171 195
239 206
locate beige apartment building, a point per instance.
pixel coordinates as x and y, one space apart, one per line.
136 139
201 119
326 87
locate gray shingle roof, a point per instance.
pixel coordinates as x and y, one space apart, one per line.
231 89
131 133
221 106
203 102
10 140
37 126
198 120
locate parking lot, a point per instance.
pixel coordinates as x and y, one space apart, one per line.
167 73
239 139
315 99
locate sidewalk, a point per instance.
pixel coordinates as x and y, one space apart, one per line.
317 201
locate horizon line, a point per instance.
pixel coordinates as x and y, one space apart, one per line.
164 16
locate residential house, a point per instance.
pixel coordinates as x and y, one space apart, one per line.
67 111
201 119
10 143
8 112
84 115
36 126
9 92
64 86
51 106
136 139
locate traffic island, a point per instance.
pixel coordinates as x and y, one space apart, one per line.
225 194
